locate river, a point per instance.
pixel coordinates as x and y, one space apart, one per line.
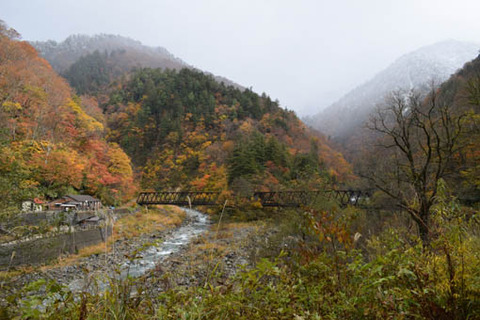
149 257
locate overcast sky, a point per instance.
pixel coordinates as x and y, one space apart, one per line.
305 53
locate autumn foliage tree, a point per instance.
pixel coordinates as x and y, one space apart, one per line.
183 129
49 144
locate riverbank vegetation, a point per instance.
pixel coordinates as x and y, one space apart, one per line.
323 263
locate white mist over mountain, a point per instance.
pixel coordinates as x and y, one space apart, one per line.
416 70
126 52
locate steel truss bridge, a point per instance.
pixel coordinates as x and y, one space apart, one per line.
267 199
182 198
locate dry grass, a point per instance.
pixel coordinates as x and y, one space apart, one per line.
240 225
227 230
211 246
217 242
19 270
4 238
221 234
82 253
148 221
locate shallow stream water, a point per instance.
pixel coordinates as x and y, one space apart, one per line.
155 254
149 257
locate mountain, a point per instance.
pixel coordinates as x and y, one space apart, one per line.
184 130
425 144
78 56
462 93
132 53
415 70
52 142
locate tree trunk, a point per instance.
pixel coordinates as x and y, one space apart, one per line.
424 236
423 226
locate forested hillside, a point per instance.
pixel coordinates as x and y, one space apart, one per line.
184 129
181 129
90 63
462 93
51 142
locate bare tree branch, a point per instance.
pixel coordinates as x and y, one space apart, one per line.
419 140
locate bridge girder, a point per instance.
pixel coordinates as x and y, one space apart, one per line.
267 199
178 198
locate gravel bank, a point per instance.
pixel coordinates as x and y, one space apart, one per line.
213 256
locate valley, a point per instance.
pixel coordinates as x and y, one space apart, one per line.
160 191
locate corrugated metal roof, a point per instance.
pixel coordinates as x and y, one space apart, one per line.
82 197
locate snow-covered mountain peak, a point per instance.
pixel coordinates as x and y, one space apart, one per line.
415 70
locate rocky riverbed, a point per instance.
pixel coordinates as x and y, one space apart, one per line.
212 257
212 254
